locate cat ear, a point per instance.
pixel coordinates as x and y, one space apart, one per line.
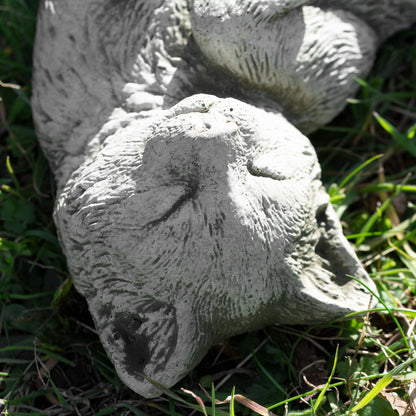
327 288
144 340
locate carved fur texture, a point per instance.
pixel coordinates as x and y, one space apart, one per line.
189 204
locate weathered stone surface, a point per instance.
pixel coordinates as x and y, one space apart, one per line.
186 215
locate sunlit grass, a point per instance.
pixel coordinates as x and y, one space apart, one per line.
51 361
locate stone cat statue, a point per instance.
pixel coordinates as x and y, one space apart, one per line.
189 202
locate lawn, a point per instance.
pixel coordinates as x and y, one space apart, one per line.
51 361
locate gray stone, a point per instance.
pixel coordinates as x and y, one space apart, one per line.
186 215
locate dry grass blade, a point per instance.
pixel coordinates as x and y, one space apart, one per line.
255 407
9 85
198 399
250 404
412 395
399 405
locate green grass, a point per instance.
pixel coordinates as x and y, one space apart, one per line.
51 361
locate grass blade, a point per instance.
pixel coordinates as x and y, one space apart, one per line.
213 399
355 171
382 384
132 409
232 413
402 141
372 220
269 376
386 308
58 393
322 393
